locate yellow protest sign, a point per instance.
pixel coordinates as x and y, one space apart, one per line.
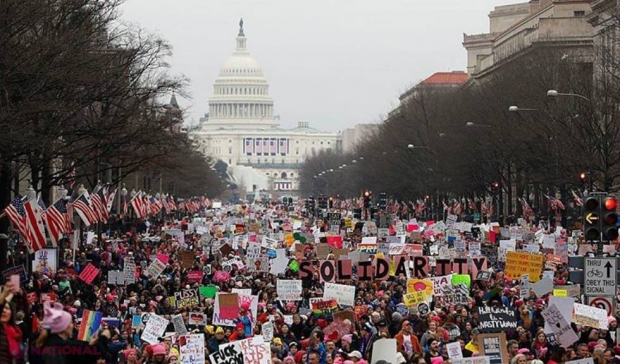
348 223
560 293
417 285
520 263
415 298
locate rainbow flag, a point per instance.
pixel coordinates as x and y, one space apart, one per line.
91 320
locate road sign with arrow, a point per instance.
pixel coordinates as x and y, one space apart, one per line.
600 276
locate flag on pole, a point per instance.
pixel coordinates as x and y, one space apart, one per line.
34 226
97 203
71 176
110 201
17 214
136 203
578 200
85 210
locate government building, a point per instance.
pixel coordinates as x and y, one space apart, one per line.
242 131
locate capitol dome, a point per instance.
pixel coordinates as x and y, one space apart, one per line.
241 93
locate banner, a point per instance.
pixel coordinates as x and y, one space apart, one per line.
89 273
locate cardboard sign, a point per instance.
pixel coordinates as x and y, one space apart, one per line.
496 319
155 328
384 349
229 308
155 268
19 270
343 294
249 351
179 325
494 346
89 273
519 263
289 290
562 330
192 348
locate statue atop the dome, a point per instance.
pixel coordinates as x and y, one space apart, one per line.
241 28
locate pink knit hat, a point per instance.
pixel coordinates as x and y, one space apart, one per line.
55 318
129 352
159 349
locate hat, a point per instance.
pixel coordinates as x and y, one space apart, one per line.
245 306
55 318
77 303
348 338
355 354
240 325
277 341
159 349
110 298
209 329
128 352
611 319
219 330
382 323
367 327
292 343
524 351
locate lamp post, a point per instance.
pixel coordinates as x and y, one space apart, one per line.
473 125
555 94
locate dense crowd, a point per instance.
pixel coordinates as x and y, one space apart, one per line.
43 315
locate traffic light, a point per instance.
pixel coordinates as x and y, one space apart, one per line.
382 200
609 218
310 204
357 213
322 202
591 218
331 202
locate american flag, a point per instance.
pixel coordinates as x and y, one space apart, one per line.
17 214
472 205
420 206
577 199
155 205
173 205
97 201
71 176
457 208
34 226
146 205
273 147
136 202
164 203
404 208
259 146
85 210
483 207
527 210
54 220
445 206
555 203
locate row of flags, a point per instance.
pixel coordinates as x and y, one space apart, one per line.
37 222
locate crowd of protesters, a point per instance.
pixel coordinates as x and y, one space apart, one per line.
29 326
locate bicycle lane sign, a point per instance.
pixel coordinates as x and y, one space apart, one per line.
600 276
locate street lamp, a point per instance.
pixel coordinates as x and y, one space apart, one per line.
470 125
354 161
515 108
31 194
62 192
82 190
411 146
555 93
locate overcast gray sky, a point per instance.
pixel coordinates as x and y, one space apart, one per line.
333 63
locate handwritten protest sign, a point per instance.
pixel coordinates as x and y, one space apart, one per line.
192 349
289 289
562 330
589 316
129 270
89 273
155 268
249 351
496 319
519 263
228 304
185 298
155 328
241 301
343 294
179 325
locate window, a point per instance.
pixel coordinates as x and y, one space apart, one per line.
291 175
249 161
321 143
275 174
230 161
230 150
283 175
579 13
283 161
230 140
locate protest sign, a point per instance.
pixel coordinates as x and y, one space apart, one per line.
519 263
590 316
229 306
155 328
494 346
324 307
454 351
136 322
197 319
185 298
343 294
496 319
242 300
19 270
45 261
91 321
562 330
192 349
415 298
179 325
116 277
267 331
129 270
384 349
155 268
194 276
89 273
249 351
289 290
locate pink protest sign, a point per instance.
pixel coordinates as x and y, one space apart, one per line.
163 258
229 307
89 273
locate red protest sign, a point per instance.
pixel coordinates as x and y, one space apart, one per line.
89 273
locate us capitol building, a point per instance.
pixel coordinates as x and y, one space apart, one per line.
242 130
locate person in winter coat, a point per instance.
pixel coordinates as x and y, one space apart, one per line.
59 347
407 343
10 333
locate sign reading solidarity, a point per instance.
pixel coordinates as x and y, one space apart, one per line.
496 319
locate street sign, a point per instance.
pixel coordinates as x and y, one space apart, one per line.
605 303
600 276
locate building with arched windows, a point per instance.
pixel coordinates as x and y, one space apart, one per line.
243 131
